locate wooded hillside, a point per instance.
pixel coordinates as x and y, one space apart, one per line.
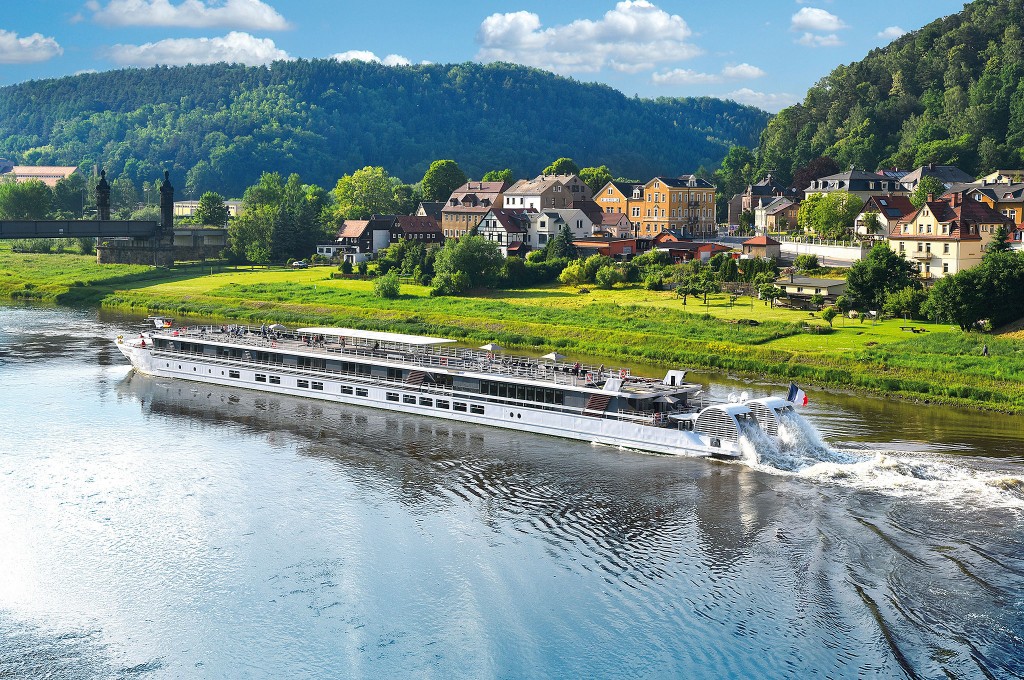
950 93
221 125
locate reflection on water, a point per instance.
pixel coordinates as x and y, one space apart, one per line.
159 528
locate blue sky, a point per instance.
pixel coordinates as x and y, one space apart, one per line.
764 53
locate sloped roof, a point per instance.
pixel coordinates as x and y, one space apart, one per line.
947 174
893 207
417 224
761 240
352 228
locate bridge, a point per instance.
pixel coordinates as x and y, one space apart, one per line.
140 229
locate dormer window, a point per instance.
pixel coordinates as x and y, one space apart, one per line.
657 185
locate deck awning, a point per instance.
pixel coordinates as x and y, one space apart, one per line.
376 336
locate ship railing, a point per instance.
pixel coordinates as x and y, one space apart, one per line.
450 358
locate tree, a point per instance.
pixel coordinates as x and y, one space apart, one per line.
211 209
905 302
770 292
872 225
927 185
595 178
387 286
822 166
124 197
364 193
29 200
958 299
279 219
250 233
881 272
1000 242
829 314
441 179
736 172
478 261
562 166
69 196
746 220
608 275
806 262
561 245
829 215
818 300
505 175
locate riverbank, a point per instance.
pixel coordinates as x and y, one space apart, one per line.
937 364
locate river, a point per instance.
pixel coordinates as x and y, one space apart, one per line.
153 528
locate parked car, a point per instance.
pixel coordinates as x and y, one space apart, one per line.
300 264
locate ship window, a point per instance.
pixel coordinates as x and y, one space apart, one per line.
318 385
346 389
392 396
476 408
312 363
394 374
459 406
261 377
426 402
441 403
233 374
302 383
275 380
408 399
360 392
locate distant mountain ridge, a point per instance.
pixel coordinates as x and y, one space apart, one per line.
221 125
951 93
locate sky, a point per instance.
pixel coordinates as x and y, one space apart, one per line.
765 53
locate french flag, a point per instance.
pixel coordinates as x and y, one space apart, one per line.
797 395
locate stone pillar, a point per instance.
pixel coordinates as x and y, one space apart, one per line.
103 196
167 206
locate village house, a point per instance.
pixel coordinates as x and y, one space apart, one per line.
360 240
759 195
860 183
685 251
545 192
47 174
615 197
802 288
761 246
888 210
1002 177
947 174
946 235
430 209
616 225
621 249
1006 199
188 208
779 214
467 206
507 228
419 228
546 224
686 203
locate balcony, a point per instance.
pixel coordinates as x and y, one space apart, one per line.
922 255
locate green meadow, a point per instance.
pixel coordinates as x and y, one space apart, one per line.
938 364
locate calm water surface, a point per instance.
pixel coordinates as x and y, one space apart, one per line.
161 529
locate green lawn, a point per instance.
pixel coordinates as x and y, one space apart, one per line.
631 323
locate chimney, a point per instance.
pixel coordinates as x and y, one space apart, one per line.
791 276
931 166
931 197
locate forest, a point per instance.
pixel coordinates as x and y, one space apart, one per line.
950 93
219 126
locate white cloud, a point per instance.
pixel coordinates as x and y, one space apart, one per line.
891 33
235 47
247 14
743 72
814 19
767 101
812 40
685 76
366 55
632 37
31 48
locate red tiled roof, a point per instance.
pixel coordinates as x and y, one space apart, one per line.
761 240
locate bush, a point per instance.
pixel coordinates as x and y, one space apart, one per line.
387 286
346 267
654 281
806 262
362 268
450 284
608 275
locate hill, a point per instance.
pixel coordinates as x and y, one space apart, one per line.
223 124
950 93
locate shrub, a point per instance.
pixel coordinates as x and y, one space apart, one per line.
387 286
450 284
654 281
806 262
362 268
346 267
608 275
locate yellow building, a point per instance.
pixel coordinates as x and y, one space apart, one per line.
947 235
686 203
1006 199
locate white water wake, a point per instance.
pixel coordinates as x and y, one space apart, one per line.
800 451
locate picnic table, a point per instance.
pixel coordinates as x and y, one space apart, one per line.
913 329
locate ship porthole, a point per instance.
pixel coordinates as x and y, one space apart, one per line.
519 415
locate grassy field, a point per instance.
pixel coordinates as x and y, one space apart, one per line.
940 364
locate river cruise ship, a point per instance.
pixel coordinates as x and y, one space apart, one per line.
432 377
